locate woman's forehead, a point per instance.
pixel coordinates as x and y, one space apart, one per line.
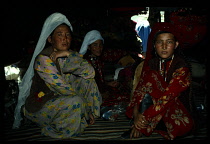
61 28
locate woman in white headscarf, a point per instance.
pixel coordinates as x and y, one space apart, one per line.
92 48
112 91
58 91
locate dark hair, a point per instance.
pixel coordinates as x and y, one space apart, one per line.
161 32
65 25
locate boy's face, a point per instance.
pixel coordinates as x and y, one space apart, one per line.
165 45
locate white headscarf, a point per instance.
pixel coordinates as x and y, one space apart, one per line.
90 37
50 24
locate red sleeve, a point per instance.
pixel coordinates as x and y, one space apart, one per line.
180 82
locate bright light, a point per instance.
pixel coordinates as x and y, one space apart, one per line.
141 56
12 73
162 13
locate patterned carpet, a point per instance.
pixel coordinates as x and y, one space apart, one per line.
103 130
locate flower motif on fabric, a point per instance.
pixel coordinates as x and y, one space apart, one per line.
51 107
184 83
76 61
76 107
178 73
55 77
47 70
157 107
158 83
161 102
153 122
44 114
179 117
73 120
48 60
147 87
61 103
169 127
38 63
41 94
73 54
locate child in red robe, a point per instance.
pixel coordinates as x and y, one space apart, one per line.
166 77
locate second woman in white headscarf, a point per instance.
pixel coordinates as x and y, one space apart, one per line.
113 93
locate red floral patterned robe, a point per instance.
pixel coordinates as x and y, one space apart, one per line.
166 95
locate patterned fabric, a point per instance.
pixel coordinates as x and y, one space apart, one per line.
113 55
111 95
98 66
166 103
189 29
137 76
104 130
50 24
66 115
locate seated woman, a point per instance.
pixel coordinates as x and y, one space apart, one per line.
58 91
92 48
166 79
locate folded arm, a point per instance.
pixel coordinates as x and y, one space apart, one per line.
179 83
48 71
76 65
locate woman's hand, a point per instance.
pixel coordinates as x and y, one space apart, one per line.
140 122
113 83
92 119
135 133
56 54
91 75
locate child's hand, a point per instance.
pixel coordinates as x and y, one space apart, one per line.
113 83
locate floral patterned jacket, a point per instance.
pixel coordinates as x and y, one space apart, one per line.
53 79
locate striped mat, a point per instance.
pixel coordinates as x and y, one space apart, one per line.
101 130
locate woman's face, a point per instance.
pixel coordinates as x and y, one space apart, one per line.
61 38
96 48
165 45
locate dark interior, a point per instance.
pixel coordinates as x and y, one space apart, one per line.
23 27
